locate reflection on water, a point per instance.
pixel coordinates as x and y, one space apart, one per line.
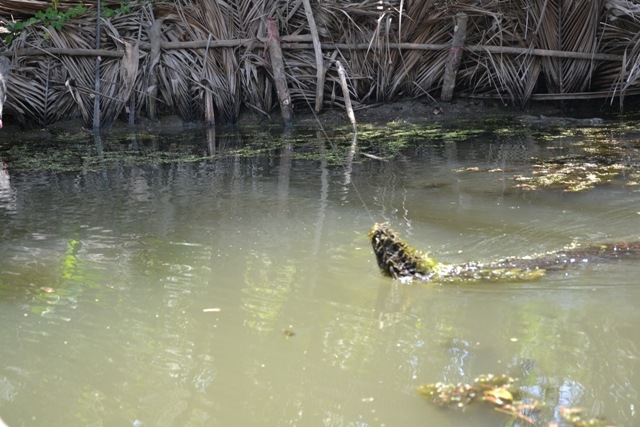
266 286
6 192
239 290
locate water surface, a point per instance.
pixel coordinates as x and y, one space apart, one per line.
233 289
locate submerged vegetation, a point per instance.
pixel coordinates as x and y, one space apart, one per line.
574 159
571 159
81 151
594 156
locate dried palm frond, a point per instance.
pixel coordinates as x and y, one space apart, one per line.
176 79
81 69
255 82
221 70
621 30
256 86
417 71
345 22
37 91
190 76
508 76
631 66
37 84
571 26
133 68
556 25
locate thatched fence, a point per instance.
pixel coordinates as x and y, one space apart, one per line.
208 60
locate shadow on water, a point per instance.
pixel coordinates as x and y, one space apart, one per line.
216 277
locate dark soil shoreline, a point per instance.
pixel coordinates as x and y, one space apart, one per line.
414 112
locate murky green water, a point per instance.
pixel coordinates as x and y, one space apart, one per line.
239 290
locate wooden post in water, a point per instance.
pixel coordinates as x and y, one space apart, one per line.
455 55
277 67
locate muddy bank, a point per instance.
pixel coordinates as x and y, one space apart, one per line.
411 112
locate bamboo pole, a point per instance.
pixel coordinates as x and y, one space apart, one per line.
279 75
69 52
455 56
288 44
545 52
476 48
317 47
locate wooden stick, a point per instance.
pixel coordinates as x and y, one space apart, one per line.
455 56
317 47
201 44
545 52
279 75
347 98
69 52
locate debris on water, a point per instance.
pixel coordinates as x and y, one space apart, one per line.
504 396
288 333
499 391
212 310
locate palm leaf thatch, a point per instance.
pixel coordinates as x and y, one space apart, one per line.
255 83
37 85
416 72
81 70
391 50
621 33
571 26
510 77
